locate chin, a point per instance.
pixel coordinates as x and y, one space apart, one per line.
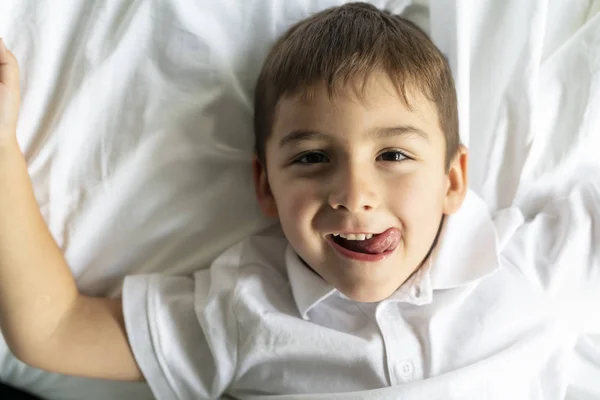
365 295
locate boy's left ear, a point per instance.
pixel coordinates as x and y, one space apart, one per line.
457 181
263 189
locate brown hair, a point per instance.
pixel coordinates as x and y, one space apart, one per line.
342 43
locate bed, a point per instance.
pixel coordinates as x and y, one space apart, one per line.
136 124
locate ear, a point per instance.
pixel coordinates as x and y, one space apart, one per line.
263 189
457 185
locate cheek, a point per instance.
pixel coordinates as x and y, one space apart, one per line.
419 198
297 206
296 201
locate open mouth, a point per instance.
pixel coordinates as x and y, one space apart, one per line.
366 247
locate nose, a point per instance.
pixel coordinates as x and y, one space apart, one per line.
353 190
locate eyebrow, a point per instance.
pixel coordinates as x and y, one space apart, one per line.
401 130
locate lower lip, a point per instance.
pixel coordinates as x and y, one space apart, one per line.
359 256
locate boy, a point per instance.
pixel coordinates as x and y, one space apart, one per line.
392 280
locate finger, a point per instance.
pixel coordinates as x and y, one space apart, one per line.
9 71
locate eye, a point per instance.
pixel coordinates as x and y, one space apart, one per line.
392 155
312 157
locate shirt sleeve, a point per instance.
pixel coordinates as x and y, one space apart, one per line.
180 356
558 251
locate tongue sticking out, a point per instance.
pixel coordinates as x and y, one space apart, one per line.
381 243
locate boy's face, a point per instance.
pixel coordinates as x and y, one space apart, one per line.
360 166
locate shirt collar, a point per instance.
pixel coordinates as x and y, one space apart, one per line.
468 247
308 288
466 251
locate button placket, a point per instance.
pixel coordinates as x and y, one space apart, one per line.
405 370
402 347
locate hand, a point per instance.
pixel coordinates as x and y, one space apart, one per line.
9 94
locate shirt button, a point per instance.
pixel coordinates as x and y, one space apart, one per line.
405 370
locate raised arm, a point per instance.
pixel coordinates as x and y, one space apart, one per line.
46 322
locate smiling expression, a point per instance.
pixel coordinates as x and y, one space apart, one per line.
341 168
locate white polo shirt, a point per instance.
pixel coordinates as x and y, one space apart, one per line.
493 314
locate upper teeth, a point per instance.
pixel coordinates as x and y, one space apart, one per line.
351 236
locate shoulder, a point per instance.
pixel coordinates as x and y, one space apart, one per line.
262 253
250 274
243 284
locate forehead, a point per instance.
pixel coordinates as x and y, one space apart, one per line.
359 106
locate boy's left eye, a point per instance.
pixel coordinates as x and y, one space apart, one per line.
392 155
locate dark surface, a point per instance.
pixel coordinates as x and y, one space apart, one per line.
10 393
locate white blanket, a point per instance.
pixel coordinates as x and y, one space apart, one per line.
136 123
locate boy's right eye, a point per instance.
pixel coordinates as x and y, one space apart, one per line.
312 157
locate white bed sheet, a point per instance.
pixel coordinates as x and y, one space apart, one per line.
136 122
535 116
